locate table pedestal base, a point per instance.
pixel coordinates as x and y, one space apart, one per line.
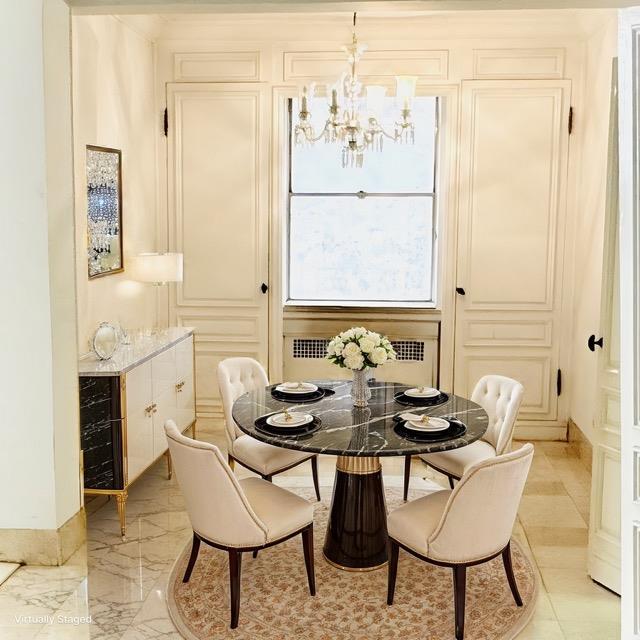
356 537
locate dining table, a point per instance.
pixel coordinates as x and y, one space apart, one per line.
356 536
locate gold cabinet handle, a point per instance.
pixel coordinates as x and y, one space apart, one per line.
154 408
179 386
148 410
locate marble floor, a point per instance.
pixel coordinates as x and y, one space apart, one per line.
115 589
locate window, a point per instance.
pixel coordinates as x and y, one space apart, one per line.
364 237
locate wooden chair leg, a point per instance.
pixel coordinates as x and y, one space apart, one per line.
235 568
451 485
255 553
232 462
314 473
459 588
393 570
307 545
195 547
407 474
508 568
169 466
268 478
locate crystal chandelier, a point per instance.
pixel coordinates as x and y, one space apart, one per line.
353 121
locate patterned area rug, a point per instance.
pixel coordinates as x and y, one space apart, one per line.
275 603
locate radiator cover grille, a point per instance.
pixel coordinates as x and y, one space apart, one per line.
316 348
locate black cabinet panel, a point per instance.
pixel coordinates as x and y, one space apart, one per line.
101 432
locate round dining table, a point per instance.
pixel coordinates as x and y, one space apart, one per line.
356 537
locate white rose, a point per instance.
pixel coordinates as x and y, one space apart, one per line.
355 362
375 337
331 349
346 335
378 355
338 347
366 344
351 349
358 332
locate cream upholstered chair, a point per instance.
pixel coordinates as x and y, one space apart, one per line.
237 376
464 526
235 515
500 397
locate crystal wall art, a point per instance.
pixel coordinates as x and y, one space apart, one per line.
104 211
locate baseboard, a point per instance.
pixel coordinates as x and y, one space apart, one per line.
580 444
49 547
541 432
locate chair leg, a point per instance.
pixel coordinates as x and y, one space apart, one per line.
459 588
268 478
255 553
393 570
407 474
508 568
232 462
195 547
314 473
450 482
307 545
235 567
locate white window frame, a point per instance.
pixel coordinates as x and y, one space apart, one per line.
370 304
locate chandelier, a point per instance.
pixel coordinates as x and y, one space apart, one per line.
354 121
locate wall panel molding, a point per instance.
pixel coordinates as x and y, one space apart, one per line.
217 66
535 63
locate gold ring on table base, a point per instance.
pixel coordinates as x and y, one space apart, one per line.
354 569
358 465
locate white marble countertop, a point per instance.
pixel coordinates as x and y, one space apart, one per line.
131 355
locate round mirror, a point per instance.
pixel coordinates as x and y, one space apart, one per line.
105 341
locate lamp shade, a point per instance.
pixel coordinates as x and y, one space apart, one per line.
157 267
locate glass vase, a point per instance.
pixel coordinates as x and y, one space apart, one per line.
360 391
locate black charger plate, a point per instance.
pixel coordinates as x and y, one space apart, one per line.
301 398
262 426
455 430
401 398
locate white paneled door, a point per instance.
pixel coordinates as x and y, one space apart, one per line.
629 140
513 168
218 143
604 527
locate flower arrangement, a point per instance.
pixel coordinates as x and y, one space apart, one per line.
358 349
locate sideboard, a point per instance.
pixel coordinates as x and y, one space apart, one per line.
124 403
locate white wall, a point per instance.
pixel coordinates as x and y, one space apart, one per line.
38 399
113 75
592 126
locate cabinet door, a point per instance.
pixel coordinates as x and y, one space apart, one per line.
218 192
163 368
139 423
186 411
511 232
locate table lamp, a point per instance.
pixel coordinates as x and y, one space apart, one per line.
157 268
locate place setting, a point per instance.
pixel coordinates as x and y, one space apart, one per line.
299 392
288 423
421 396
425 428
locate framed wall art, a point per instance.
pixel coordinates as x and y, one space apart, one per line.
104 211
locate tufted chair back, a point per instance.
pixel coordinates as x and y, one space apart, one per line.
500 397
218 508
479 516
237 376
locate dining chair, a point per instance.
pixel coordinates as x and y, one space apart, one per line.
237 376
465 526
500 397
235 515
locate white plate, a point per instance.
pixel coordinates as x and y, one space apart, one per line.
434 424
427 392
298 420
305 387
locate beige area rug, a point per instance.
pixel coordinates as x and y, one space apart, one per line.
275 602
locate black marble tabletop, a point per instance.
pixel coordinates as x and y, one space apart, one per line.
352 431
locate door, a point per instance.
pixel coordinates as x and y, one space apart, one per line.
629 141
604 527
139 438
163 375
514 148
218 144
